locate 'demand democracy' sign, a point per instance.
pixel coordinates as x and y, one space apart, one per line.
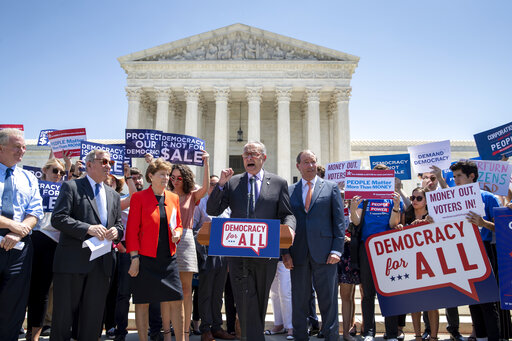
400 163
494 143
426 267
431 154
455 202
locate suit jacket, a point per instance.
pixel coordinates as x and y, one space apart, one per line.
322 228
143 225
75 210
273 201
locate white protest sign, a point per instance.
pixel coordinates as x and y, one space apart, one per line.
494 176
424 257
245 235
336 171
431 154
455 202
67 140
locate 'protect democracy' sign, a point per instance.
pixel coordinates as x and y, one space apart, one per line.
494 143
336 171
182 149
455 202
49 192
431 154
400 163
67 140
140 142
116 154
370 184
431 266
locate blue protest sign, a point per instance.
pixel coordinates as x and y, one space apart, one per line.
43 137
182 149
116 154
38 173
430 266
244 238
400 163
49 192
494 143
122 145
140 142
503 228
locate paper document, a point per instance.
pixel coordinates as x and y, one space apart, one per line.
98 247
18 246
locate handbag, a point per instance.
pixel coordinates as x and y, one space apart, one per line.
355 238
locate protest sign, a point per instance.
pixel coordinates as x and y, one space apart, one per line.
494 143
182 149
122 145
430 266
431 154
400 163
12 126
336 171
370 184
116 154
494 176
43 137
49 192
346 215
503 228
244 237
37 171
140 142
66 140
455 202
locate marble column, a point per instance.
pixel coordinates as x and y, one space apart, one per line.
283 95
134 95
313 122
341 124
191 116
221 136
162 109
171 124
253 119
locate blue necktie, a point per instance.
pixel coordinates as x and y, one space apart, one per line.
252 196
102 206
7 195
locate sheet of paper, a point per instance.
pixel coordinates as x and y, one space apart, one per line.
98 247
18 246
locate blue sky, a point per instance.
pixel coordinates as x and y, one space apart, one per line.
429 70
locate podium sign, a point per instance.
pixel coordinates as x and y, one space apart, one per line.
244 237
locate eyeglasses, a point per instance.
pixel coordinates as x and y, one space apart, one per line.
57 171
104 162
253 155
432 178
418 198
176 178
212 184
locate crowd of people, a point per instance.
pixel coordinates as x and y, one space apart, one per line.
152 253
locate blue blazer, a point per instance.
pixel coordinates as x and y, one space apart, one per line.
322 228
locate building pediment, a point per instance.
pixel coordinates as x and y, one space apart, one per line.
238 42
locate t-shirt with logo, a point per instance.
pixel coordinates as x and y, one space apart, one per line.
376 217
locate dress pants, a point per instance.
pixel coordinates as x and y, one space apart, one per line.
260 274
211 288
15 271
368 301
229 305
81 295
325 280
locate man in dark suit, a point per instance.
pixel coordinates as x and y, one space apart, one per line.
271 201
85 208
317 247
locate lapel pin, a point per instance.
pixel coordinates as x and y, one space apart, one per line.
268 182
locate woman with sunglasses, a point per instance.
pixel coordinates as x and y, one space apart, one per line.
152 232
182 183
417 213
44 239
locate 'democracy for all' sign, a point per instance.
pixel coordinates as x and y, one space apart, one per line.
49 192
182 149
370 184
116 154
336 171
431 154
67 140
244 238
426 267
38 173
503 228
140 142
400 163
494 143
455 202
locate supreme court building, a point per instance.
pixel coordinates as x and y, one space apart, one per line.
240 83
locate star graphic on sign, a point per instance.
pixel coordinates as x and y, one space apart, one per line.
406 276
399 277
392 278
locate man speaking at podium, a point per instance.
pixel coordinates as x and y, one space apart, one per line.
253 194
